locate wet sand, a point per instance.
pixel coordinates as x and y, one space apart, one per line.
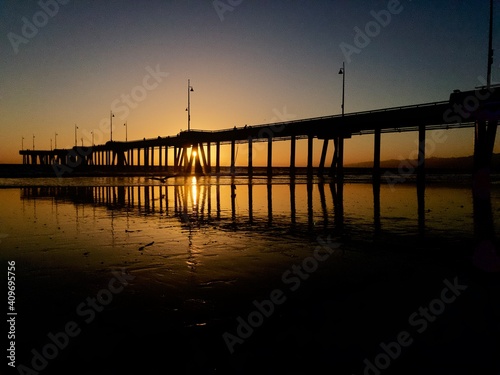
193 278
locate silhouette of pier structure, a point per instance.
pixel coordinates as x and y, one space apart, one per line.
191 151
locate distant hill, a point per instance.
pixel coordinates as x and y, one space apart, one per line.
459 163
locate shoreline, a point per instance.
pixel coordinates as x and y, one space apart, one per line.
47 171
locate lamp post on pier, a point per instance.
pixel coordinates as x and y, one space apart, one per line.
188 109
76 142
111 115
342 71
22 143
340 151
55 140
126 131
33 142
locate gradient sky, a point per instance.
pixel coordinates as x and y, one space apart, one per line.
261 61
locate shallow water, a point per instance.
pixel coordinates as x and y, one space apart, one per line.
200 250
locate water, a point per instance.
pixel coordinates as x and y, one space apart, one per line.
172 266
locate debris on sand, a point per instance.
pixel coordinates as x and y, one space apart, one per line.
149 244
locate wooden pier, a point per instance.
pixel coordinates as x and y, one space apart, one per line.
191 151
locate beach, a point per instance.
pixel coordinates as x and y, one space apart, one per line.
208 276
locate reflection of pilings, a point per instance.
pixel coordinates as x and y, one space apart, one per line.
310 217
321 189
191 201
421 208
121 195
293 211
146 198
209 201
217 198
292 155
250 201
269 202
376 206
233 200
176 196
337 190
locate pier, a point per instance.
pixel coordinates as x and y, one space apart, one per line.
190 152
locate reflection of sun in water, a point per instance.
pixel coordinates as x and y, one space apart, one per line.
194 192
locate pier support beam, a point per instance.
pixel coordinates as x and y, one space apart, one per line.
421 157
323 157
160 156
232 157
166 158
184 159
340 161
310 155
269 155
376 157
146 157
176 159
250 157
209 159
203 159
217 158
292 155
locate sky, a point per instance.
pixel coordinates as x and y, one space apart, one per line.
68 63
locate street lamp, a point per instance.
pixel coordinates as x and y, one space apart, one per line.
22 143
340 139
92 138
188 109
33 142
50 144
111 115
126 131
342 71
76 142
55 141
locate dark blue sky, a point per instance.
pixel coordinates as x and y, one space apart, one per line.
260 61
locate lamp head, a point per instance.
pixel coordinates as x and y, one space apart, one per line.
341 71
191 89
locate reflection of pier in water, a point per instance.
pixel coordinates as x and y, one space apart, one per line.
301 205
198 201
